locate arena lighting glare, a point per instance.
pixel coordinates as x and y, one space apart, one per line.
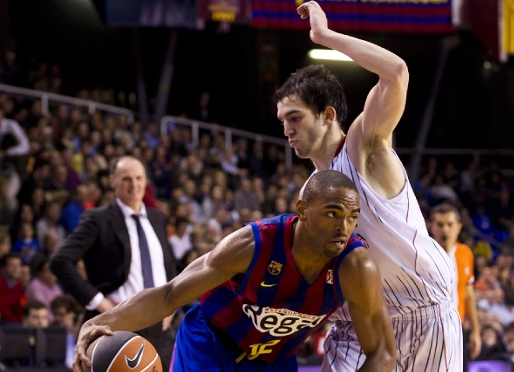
328 54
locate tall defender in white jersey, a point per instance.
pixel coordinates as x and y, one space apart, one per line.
417 274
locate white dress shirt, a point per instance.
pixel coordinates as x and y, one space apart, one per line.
134 282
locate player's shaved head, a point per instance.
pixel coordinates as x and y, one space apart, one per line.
323 180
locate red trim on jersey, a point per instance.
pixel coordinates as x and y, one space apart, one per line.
340 147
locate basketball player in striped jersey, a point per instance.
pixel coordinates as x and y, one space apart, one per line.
417 274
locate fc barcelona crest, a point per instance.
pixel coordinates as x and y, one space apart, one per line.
274 268
330 276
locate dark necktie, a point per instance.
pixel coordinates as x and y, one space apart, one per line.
146 263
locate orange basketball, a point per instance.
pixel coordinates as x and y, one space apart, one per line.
123 352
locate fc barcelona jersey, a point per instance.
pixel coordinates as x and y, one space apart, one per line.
270 310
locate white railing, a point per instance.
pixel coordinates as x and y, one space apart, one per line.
47 98
476 154
228 132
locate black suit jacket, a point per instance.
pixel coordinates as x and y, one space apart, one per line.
101 238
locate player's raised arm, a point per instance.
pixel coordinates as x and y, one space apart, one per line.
362 289
386 101
230 257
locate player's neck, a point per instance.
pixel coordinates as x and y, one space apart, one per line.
308 264
325 152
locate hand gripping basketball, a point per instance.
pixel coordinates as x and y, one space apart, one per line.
122 352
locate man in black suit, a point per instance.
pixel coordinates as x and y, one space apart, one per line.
125 249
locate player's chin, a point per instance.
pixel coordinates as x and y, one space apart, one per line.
301 153
333 250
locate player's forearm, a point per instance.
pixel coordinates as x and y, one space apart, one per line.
387 65
140 311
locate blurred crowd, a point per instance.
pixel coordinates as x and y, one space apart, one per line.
55 166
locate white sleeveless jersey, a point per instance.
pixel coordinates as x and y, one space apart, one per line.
416 271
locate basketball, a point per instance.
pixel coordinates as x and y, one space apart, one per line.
123 351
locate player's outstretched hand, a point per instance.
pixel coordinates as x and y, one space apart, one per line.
317 18
88 333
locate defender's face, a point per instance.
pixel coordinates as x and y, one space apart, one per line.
302 128
331 219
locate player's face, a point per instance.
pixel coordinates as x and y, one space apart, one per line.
302 128
129 181
445 228
332 218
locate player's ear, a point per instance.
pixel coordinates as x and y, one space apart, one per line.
329 115
300 209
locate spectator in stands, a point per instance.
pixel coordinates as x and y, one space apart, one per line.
151 135
25 276
7 205
57 188
493 302
445 227
27 246
230 164
12 297
213 201
71 213
180 241
245 197
256 160
67 313
50 222
493 347
192 164
38 203
442 191
509 339
5 242
43 287
122 133
14 144
35 315
38 178
66 141
82 134
190 197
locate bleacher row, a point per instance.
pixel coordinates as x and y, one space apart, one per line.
41 349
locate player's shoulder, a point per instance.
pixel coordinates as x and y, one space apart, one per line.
358 261
275 220
461 248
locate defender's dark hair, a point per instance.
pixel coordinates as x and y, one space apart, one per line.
443 209
318 88
322 180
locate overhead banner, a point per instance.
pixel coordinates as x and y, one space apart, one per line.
508 26
418 16
224 10
151 13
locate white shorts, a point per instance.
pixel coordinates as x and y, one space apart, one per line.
428 339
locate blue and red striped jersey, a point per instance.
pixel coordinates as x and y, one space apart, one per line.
271 309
